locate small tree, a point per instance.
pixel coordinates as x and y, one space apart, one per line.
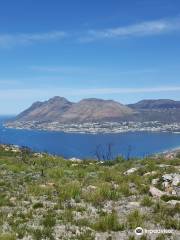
25 154
104 154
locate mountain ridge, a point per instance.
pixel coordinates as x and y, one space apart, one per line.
99 110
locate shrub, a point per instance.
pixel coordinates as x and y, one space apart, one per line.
71 190
135 219
167 198
161 237
131 238
124 190
109 222
49 220
7 237
171 223
147 201
4 201
38 205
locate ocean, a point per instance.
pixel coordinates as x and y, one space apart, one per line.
130 144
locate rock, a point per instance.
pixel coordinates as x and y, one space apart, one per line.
122 235
50 184
75 160
74 165
167 177
169 190
173 202
173 192
150 173
13 199
115 186
131 170
177 189
155 192
155 181
91 188
134 204
40 155
176 179
132 185
165 184
164 165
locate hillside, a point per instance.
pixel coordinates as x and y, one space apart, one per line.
50 110
91 110
156 104
61 110
163 110
48 197
87 110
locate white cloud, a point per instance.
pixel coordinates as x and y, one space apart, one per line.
76 69
139 29
100 91
134 30
9 40
60 69
36 94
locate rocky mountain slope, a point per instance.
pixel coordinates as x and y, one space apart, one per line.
97 110
163 110
87 110
51 110
156 104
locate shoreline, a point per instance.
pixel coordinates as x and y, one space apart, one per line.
92 132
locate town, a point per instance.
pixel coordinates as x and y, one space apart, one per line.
94 128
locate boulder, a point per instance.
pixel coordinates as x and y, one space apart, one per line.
165 184
167 177
155 192
131 170
176 179
177 189
173 202
150 173
75 160
155 181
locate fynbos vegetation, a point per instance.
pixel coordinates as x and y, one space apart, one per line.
48 197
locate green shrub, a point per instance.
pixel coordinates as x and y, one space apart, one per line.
131 238
171 223
49 220
135 219
109 222
38 205
167 198
161 237
8 236
70 190
147 201
66 216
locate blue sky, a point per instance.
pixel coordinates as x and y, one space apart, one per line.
113 49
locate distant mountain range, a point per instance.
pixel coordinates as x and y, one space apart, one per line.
97 110
163 110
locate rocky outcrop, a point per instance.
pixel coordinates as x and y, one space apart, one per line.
155 192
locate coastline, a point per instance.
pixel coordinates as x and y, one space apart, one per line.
96 128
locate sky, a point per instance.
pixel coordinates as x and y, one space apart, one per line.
112 49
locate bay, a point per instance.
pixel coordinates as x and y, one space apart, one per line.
135 144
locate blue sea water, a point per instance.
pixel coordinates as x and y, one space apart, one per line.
137 144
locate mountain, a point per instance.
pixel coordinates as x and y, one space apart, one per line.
61 110
50 110
87 110
156 104
92 109
164 110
